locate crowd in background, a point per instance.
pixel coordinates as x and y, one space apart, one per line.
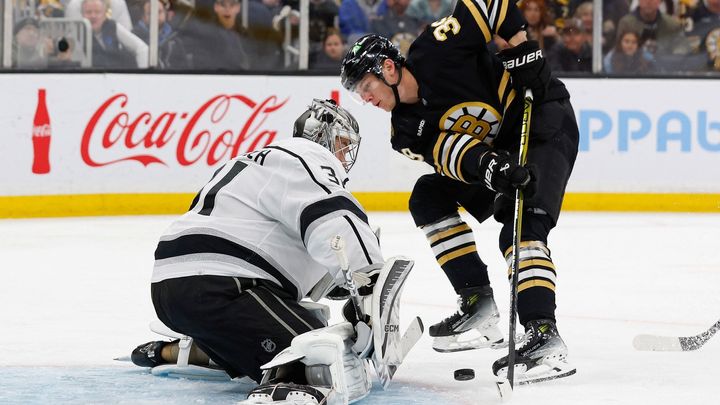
637 36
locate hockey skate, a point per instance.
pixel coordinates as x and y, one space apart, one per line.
540 357
287 394
178 358
473 326
149 354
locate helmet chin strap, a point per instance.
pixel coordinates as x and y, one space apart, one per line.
394 87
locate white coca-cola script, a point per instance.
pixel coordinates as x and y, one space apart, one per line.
212 133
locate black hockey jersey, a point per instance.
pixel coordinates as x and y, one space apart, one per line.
466 97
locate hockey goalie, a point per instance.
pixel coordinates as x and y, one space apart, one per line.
230 275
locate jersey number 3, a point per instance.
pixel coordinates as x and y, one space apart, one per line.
445 25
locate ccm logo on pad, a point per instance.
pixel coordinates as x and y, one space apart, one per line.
525 59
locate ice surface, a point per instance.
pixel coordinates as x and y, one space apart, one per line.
74 294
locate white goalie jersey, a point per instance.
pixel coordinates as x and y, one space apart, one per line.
270 214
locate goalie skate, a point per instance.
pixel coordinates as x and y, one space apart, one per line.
473 326
187 361
288 394
542 356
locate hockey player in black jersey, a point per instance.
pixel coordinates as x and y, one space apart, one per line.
457 107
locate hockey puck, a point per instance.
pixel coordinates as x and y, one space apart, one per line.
464 374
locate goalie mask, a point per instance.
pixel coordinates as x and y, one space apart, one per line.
332 127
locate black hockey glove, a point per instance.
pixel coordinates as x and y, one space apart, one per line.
502 174
528 67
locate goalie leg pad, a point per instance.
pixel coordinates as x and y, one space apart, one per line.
390 345
329 362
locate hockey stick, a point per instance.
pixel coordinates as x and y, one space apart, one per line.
338 245
505 387
658 343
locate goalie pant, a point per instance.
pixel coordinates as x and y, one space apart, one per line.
241 323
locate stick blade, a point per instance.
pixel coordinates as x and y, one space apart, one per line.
504 389
655 343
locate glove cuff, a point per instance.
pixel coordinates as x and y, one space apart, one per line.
518 56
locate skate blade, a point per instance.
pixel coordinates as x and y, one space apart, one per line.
470 340
504 389
190 372
548 378
447 344
548 369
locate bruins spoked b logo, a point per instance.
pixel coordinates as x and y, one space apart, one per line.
479 120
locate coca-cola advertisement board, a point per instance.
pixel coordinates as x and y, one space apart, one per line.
95 134
120 133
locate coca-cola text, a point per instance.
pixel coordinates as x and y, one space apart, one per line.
202 136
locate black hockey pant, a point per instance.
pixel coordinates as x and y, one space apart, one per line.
240 323
552 150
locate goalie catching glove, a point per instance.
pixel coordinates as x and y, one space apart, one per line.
502 174
364 279
528 68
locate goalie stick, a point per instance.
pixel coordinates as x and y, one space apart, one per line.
658 343
337 244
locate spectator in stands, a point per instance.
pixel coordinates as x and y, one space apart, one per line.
397 25
113 45
355 17
573 53
262 38
274 7
584 13
322 15
661 34
612 12
539 27
559 11
136 8
51 8
669 7
260 42
171 52
628 57
332 52
211 39
117 10
29 48
706 31
429 11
